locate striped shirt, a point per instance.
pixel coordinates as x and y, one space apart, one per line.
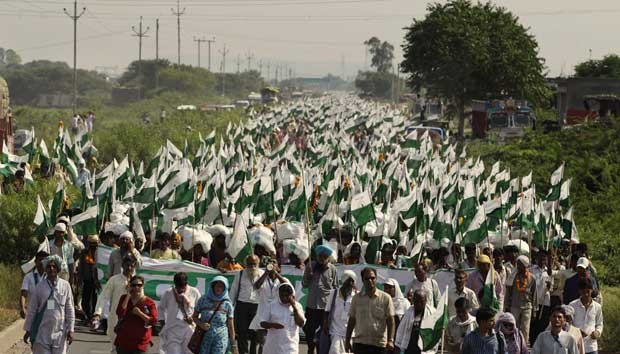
474 343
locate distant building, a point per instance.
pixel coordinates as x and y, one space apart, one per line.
577 99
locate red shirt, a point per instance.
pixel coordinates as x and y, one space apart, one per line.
133 335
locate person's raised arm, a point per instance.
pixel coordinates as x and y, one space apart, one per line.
259 282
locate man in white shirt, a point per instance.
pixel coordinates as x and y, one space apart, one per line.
459 291
246 299
111 295
30 282
422 281
555 340
588 316
175 310
542 274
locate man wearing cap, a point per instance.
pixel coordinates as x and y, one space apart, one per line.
337 312
476 279
320 277
31 280
51 317
116 257
521 296
88 277
63 249
571 286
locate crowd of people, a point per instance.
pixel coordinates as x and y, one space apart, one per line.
544 301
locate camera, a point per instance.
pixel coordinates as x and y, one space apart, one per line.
270 267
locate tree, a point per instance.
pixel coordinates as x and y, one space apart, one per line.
463 51
12 58
382 54
376 84
608 67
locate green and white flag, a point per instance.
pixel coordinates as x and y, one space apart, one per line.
44 154
411 141
433 326
41 220
489 296
85 224
568 226
478 229
556 178
239 246
467 209
565 200
210 139
362 209
57 201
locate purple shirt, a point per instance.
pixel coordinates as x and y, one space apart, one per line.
475 282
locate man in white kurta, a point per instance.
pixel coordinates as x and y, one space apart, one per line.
112 292
53 296
178 326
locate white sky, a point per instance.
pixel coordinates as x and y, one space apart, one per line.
311 36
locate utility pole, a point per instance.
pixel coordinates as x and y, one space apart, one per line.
260 67
140 34
199 41
224 52
157 39
268 72
249 57
209 41
277 68
238 62
75 17
178 13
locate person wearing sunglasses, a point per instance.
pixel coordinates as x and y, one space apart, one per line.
136 313
516 343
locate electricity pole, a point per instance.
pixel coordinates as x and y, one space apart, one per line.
157 39
260 67
209 41
140 34
224 52
178 13
238 62
249 57
199 41
268 72
75 17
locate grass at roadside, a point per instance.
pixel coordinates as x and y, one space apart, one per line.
609 342
10 280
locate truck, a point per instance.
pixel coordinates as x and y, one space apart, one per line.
6 117
506 119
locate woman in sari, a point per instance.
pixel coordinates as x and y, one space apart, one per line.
214 314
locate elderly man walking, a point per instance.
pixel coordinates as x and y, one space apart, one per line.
246 299
522 295
320 278
116 257
51 317
371 317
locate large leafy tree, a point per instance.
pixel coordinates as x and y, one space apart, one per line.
382 54
464 51
608 67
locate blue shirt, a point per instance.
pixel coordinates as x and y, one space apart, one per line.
475 343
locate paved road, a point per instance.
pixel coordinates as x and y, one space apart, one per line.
88 342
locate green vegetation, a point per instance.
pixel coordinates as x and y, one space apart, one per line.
611 314
608 67
9 294
592 156
463 51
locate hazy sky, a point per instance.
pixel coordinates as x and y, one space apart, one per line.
312 36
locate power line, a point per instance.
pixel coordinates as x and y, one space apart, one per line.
199 41
75 17
178 13
140 34
209 41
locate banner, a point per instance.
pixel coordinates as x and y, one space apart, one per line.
158 275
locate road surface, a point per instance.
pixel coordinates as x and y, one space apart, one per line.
88 342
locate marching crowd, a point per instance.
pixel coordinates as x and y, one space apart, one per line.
545 301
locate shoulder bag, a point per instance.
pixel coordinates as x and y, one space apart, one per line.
196 341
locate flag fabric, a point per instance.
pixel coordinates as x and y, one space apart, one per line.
41 220
478 229
489 295
432 327
85 224
362 209
239 246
